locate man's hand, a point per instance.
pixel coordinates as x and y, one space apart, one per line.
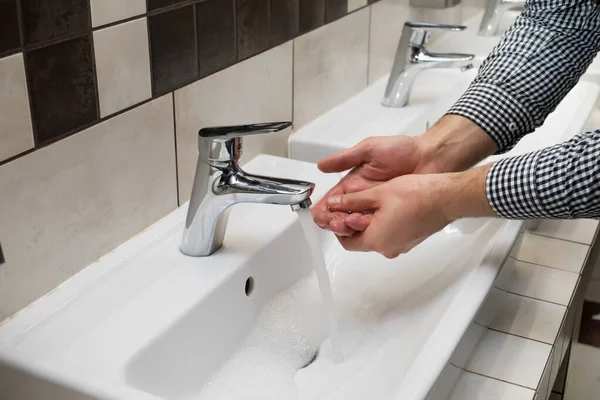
372 161
453 144
407 210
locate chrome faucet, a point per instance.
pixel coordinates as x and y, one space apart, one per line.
493 15
412 57
220 183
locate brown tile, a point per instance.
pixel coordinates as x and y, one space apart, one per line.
216 35
335 9
311 15
173 49
9 26
284 20
156 4
590 324
252 23
51 19
62 87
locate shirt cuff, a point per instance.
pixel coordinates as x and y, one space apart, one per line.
511 188
495 111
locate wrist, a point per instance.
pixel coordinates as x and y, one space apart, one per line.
454 144
463 194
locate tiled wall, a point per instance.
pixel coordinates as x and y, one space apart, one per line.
101 100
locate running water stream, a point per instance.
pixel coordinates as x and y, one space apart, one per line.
318 260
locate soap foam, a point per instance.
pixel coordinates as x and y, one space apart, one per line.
386 309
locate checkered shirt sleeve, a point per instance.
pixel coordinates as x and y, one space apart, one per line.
538 60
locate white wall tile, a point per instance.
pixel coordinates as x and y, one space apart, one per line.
16 135
230 97
539 282
107 11
543 390
122 65
578 230
510 358
387 20
476 387
356 4
448 16
64 206
529 318
467 345
445 383
487 311
551 252
330 66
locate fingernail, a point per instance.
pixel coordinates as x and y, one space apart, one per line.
334 201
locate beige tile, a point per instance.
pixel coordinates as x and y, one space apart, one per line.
330 66
445 383
16 135
551 252
510 358
107 11
64 206
536 281
356 4
476 387
489 308
529 318
122 65
578 230
583 376
387 20
230 97
543 390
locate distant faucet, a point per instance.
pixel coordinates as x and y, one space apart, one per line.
493 15
412 57
220 183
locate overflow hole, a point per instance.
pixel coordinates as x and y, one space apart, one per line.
249 286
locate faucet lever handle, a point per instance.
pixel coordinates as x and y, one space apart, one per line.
236 131
418 33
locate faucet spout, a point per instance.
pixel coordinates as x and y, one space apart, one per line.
412 58
220 183
493 13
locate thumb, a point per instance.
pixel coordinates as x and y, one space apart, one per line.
344 160
359 201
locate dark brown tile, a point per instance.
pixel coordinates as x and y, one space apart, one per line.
335 9
252 25
311 15
216 35
173 49
156 4
372 1
51 19
589 333
9 26
62 87
284 20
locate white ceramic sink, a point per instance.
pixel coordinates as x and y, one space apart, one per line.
433 93
146 322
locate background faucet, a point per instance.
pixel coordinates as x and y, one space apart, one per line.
493 15
220 183
412 57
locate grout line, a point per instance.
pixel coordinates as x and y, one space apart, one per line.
149 43
497 379
546 266
176 157
535 298
94 69
561 239
293 87
524 337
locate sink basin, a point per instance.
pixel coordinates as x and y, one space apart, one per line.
146 322
433 93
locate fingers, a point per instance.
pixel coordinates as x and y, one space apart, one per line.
345 160
339 227
357 221
357 202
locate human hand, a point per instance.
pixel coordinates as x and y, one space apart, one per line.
408 209
372 161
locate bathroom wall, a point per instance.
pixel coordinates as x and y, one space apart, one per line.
101 100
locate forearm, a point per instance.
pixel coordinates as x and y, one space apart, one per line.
533 67
456 144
